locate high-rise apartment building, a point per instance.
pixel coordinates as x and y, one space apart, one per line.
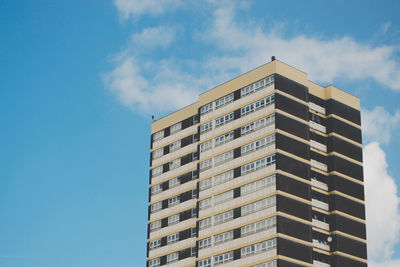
264 170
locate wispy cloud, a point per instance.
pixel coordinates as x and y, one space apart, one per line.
146 94
378 124
382 205
246 45
386 263
154 37
240 47
135 8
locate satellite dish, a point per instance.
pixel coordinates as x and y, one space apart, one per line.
329 239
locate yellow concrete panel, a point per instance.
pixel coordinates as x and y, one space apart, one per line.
342 96
175 117
316 89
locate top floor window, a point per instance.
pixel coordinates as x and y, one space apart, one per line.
206 108
256 86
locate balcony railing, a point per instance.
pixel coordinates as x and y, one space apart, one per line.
319 204
319 184
317 126
320 224
321 244
316 108
318 145
317 263
319 165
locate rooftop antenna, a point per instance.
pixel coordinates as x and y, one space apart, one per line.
272 58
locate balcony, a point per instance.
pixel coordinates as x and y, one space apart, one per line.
316 108
321 244
318 184
318 145
320 224
319 165
317 263
317 126
319 204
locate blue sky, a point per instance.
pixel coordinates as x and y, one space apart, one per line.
80 80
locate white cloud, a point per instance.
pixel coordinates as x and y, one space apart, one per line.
149 94
246 45
154 37
378 124
134 8
382 204
387 263
243 46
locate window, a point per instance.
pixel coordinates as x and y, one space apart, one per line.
175 146
247 148
205 165
223 177
205 243
206 146
157 171
173 201
173 219
220 159
258 248
173 238
254 126
193 251
155 244
258 226
257 105
158 153
206 108
257 185
158 135
257 144
224 237
194 212
156 207
267 264
256 86
256 165
223 138
223 197
175 164
224 101
156 189
172 257
154 262
206 263
258 205
224 119
176 127
205 184
205 203
205 223
193 232
155 225
223 217
174 182
206 127
222 258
